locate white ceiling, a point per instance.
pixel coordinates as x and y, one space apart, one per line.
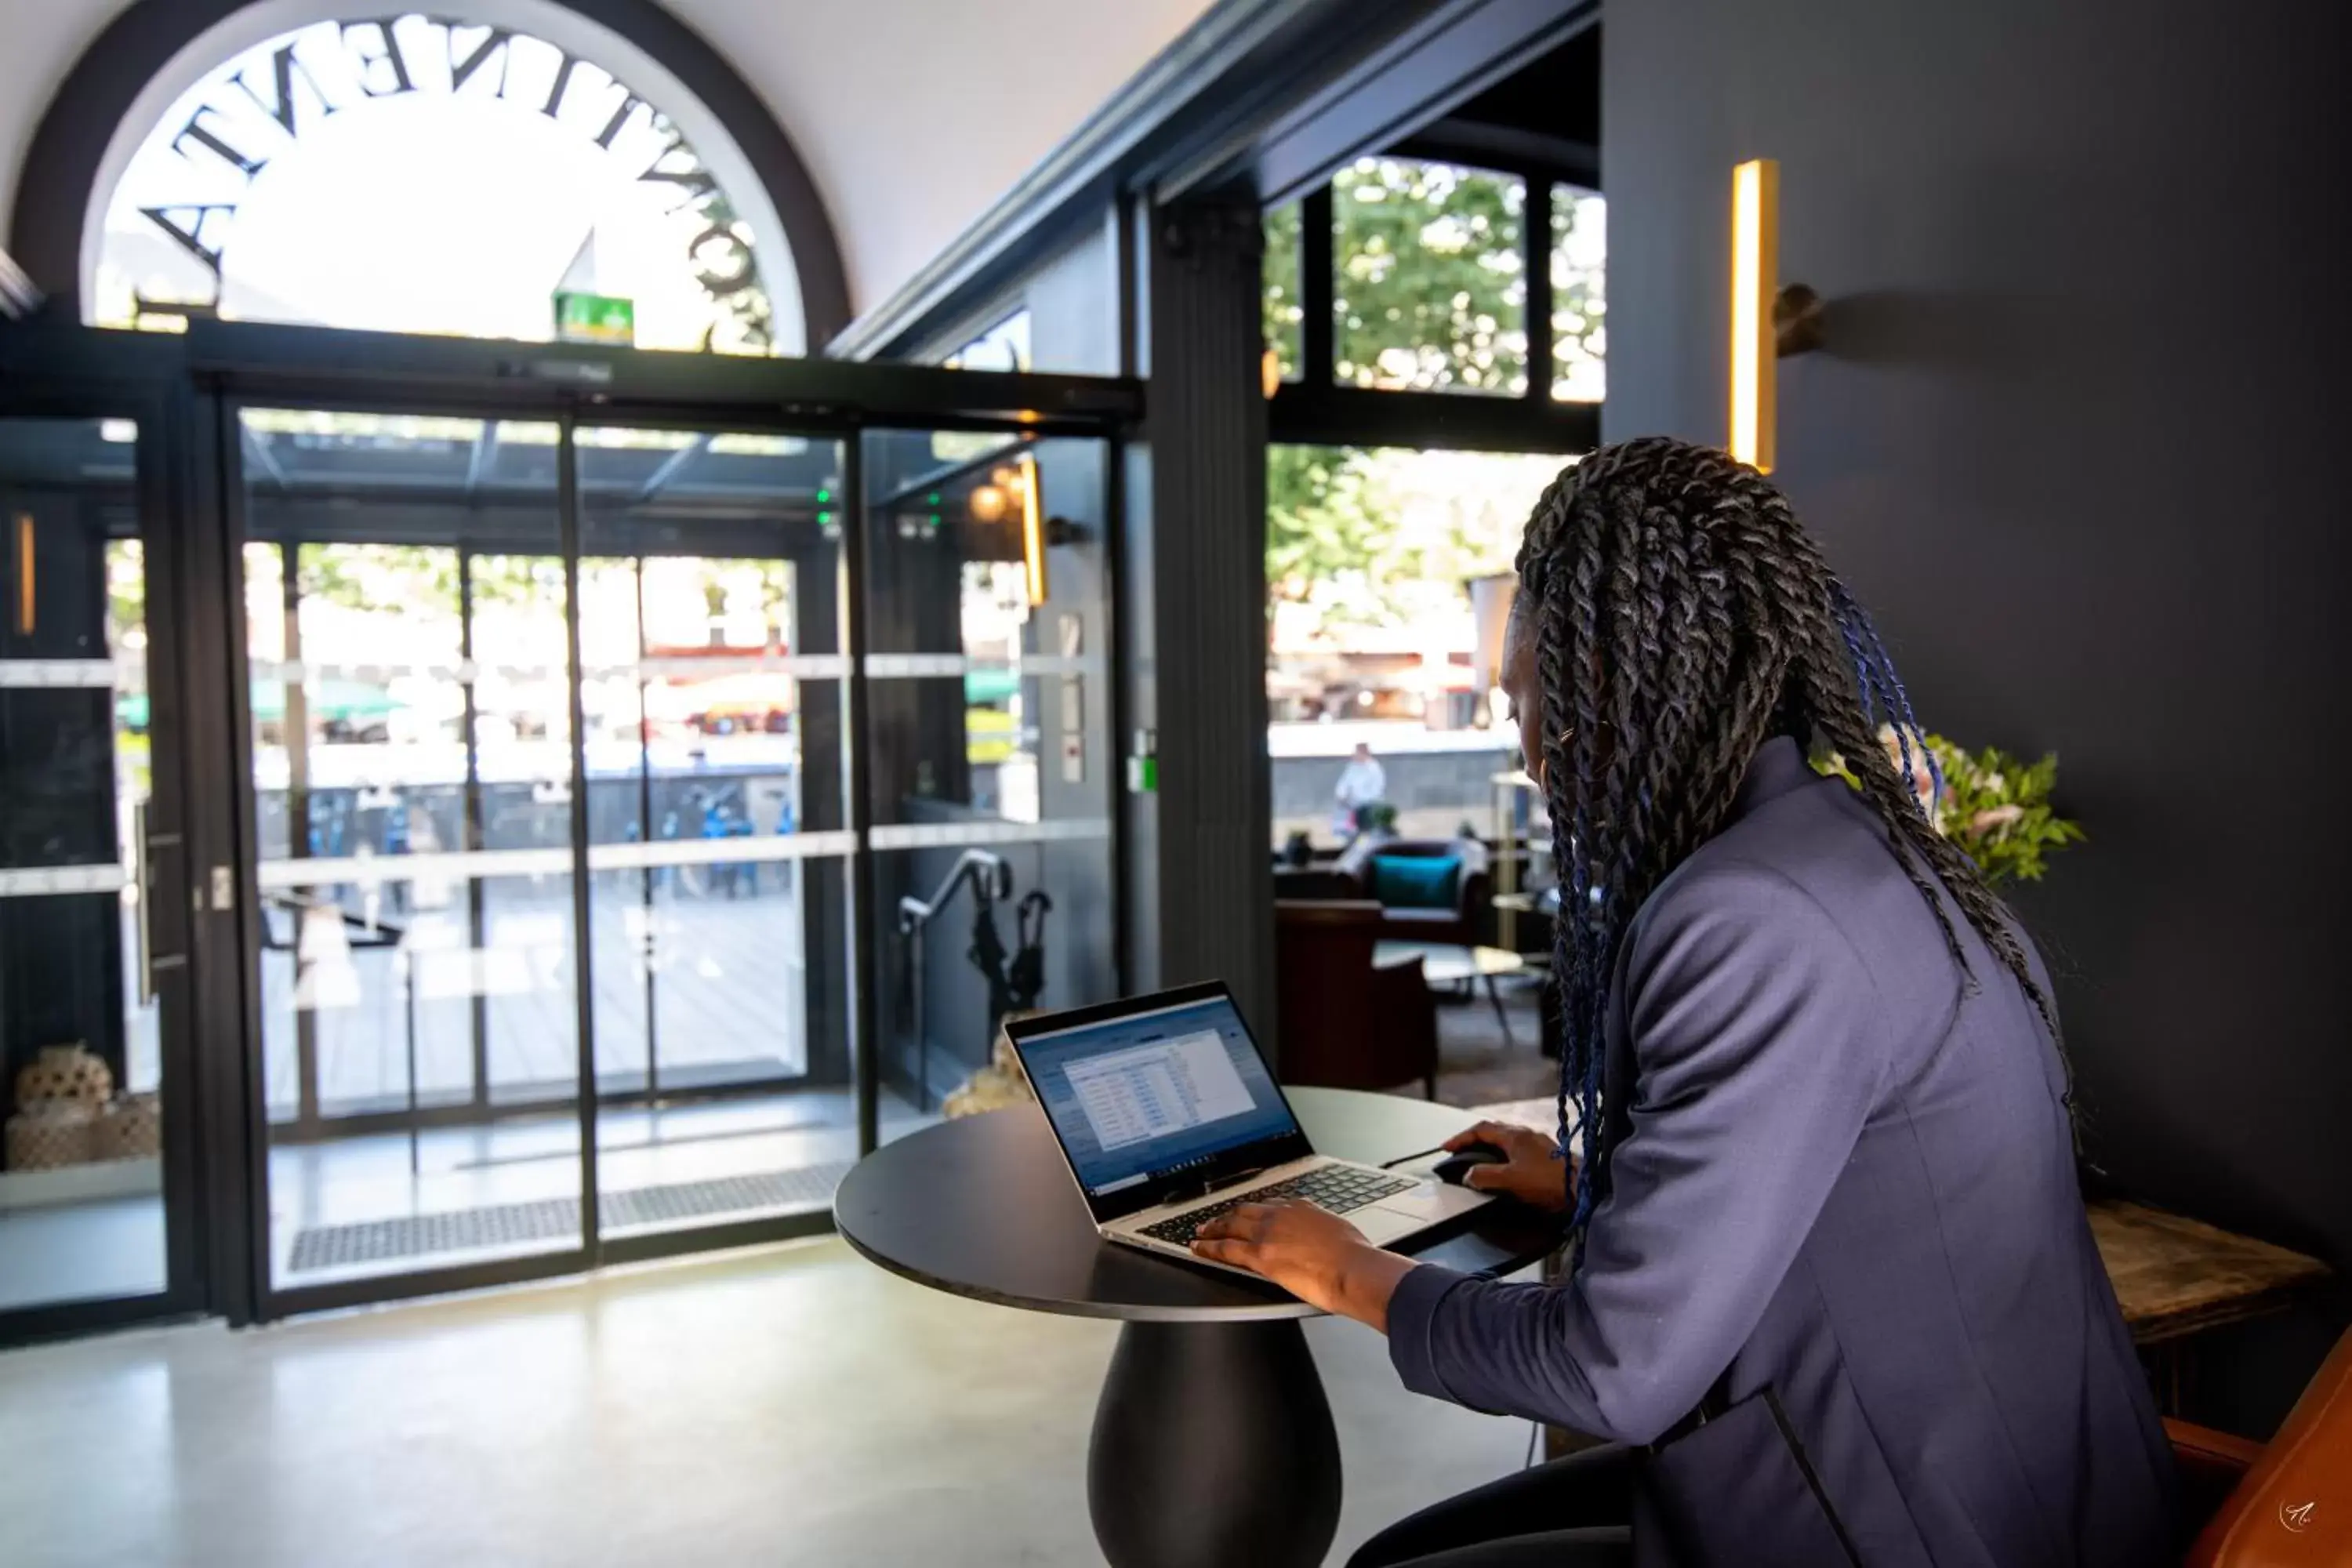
912 115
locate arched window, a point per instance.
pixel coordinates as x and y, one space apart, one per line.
520 172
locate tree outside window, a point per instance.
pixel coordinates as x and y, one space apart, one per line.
1579 263
1429 291
1431 286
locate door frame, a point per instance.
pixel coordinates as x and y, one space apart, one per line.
43 375
230 366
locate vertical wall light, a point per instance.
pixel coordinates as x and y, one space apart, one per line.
1033 529
1755 283
27 602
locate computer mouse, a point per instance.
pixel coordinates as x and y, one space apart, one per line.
1454 1169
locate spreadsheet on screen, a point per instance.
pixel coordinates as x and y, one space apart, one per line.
1154 1091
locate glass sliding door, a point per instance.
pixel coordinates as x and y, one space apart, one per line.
93 964
460 905
579 934
719 846
988 601
404 595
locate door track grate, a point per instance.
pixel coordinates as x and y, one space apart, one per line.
496 1227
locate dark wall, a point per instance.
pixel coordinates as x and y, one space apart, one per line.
2076 438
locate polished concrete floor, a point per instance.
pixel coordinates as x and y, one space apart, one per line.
790 1405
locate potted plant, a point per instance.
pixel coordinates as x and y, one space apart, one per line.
1994 805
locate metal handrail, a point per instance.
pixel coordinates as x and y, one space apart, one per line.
914 917
915 914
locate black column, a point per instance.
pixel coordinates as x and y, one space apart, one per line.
817 630
1205 907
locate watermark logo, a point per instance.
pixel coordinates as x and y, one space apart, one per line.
2296 1517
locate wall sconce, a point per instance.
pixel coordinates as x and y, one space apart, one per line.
1039 532
1768 322
1033 529
28 603
1755 279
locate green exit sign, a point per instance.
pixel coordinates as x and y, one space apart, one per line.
595 319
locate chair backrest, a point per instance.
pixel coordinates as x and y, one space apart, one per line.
1319 883
1344 1024
2294 1509
1470 888
1469 852
1330 941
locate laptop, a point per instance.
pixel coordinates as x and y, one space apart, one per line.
1166 1112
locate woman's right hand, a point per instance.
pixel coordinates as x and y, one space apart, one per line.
1531 1171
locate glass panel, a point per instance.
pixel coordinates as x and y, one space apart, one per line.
711 631
1285 313
1431 286
1004 347
1579 267
988 598
81 1193
1371 558
406 631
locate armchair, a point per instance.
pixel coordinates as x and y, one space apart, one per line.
2284 1504
1461 923
1345 1024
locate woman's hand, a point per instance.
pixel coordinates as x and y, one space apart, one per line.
1310 1252
1532 1172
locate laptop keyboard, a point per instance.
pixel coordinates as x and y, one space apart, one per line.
1339 1188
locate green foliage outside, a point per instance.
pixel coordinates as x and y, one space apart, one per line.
422 579
1382 537
1430 288
414 578
1284 313
1328 528
1997 806
1429 294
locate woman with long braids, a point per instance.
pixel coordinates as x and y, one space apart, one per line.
1832 1297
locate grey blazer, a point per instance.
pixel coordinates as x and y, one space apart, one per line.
1843 1185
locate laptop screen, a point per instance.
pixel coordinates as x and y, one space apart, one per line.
1143 1097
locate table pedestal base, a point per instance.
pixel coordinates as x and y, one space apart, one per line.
1213 1448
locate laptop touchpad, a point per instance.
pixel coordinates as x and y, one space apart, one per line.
1431 1202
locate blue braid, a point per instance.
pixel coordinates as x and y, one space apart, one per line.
1864 675
1575 1088
1595 1136
1881 685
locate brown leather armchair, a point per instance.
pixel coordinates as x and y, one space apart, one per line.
1344 1023
2286 1503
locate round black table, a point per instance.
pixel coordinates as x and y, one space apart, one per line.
1212 1442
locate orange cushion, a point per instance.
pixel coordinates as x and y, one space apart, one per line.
2294 1509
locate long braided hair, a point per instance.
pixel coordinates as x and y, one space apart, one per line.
1682 617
